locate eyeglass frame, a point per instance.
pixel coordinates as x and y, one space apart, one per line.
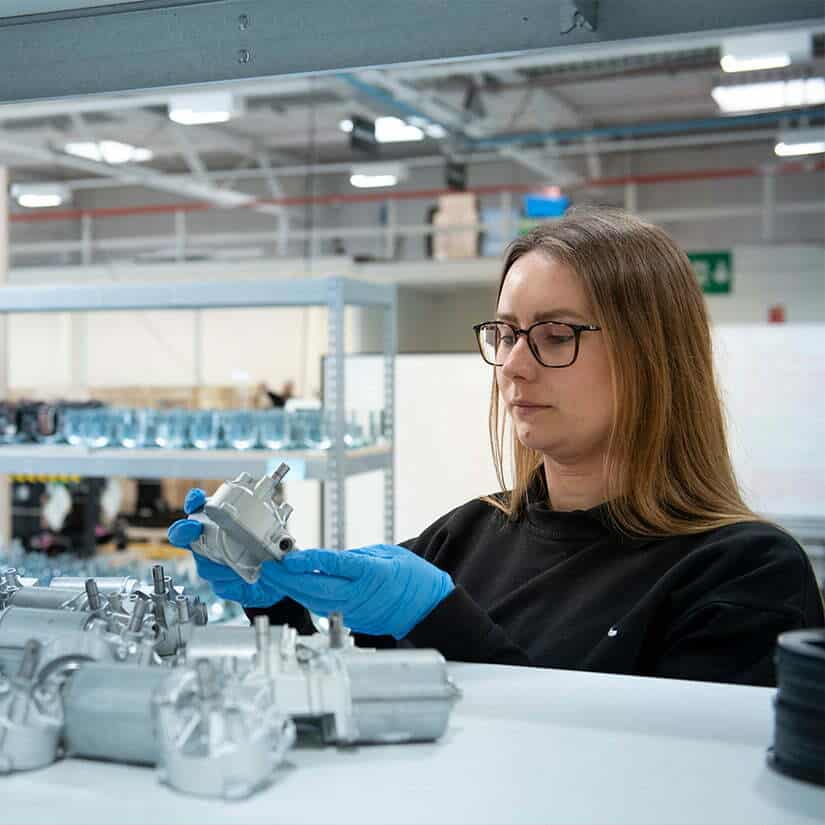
578 329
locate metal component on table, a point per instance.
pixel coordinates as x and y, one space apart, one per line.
108 712
214 740
243 524
105 584
93 599
31 717
336 631
352 694
136 637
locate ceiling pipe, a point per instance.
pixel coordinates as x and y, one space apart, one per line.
796 167
425 161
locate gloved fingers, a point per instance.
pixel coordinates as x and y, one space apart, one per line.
211 571
379 551
306 585
194 501
183 532
344 564
232 591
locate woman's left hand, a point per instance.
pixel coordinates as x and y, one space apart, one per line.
380 589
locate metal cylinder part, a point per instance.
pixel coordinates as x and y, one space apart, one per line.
93 595
139 604
158 579
263 644
108 712
48 598
18 625
105 584
400 695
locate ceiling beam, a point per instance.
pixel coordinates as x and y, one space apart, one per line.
145 46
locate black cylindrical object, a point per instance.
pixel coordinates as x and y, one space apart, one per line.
799 726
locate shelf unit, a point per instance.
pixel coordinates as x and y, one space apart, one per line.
332 466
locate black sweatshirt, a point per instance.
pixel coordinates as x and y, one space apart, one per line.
563 590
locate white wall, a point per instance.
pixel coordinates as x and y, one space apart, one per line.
771 380
158 348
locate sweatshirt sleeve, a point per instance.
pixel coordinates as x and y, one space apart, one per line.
285 611
462 631
763 588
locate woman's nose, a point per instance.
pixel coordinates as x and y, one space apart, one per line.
520 362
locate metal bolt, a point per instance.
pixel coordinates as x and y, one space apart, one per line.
31 656
207 680
182 604
262 642
158 579
243 22
244 55
138 612
93 595
336 630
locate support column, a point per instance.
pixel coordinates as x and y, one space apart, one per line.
5 486
768 204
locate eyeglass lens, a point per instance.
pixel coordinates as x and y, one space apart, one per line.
554 343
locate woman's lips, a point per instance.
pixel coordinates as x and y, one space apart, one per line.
525 410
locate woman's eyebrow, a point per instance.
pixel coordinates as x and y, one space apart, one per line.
550 315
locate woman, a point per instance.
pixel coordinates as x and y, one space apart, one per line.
623 544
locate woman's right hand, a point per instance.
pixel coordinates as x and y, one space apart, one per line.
226 583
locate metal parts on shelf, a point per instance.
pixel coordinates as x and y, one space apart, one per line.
244 525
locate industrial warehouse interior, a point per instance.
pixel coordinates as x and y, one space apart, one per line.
286 503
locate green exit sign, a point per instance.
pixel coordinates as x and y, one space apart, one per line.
714 270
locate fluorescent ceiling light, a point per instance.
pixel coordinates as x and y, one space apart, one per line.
109 151
394 130
729 63
372 181
374 175
749 53
39 195
204 107
773 94
796 142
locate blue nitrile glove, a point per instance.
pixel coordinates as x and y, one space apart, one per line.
224 580
380 589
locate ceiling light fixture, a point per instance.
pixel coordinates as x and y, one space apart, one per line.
375 175
109 151
201 108
796 142
753 52
770 94
40 195
389 130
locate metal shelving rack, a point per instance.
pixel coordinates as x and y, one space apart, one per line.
332 466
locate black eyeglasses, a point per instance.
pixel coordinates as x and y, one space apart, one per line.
553 343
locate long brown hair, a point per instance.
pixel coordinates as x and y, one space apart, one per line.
667 465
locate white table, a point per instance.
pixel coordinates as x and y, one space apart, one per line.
523 745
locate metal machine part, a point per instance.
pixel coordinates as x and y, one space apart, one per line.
140 622
108 712
106 584
31 717
353 695
243 525
217 741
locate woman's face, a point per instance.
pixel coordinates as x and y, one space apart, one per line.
564 413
